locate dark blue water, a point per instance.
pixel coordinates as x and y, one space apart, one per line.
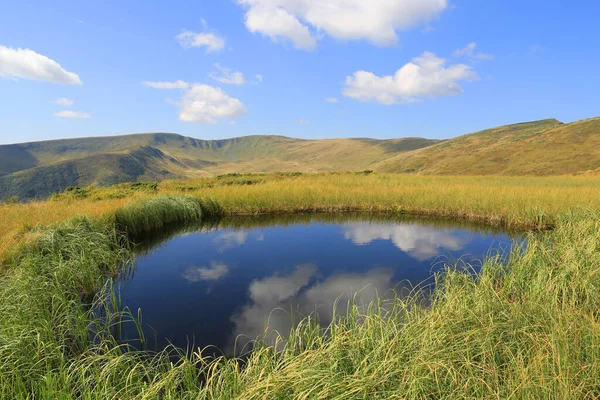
208 285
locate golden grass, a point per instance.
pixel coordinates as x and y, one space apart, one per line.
506 201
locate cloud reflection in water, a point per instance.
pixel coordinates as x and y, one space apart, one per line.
420 242
214 273
302 292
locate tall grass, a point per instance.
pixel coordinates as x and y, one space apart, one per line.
503 201
525 328
156 212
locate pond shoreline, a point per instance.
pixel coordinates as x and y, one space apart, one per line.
74 257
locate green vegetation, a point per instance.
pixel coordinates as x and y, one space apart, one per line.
548 147
508 202
54 343
536 148
42 168
527 328
154 213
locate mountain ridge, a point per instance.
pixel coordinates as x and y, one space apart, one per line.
545 147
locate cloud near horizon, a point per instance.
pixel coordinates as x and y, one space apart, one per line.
27 64
72 114
425 76
166 85
303 22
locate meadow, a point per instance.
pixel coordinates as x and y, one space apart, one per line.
523 202
526 328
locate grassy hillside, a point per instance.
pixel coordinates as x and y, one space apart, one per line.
38 169
545 147
145 163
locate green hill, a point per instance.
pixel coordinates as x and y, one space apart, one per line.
32 170
546 147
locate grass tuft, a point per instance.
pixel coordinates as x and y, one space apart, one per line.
154 213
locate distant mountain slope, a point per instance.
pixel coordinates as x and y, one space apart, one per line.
546 147
38 169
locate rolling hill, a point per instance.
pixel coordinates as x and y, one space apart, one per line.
546 147
32 170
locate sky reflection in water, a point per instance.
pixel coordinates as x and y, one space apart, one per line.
222 282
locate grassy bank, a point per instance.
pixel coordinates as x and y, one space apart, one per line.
52 341
528 328
503 201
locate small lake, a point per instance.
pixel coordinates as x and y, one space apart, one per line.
210 284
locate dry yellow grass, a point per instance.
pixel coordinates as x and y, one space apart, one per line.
509 201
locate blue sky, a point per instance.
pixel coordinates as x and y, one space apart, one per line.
395 67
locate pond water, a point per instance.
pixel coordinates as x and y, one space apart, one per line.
211 284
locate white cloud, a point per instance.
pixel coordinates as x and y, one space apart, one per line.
167 85
333 100
259 78
212 42
202 104
469 51
420 242
425 76
63 101
72 114
302 21
276 23
216 271
226 75
25 63
303 122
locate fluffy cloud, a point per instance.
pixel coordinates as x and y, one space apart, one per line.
202 104
375 20
25 63
63 101
212 42
167 85
72 114
420 242
425 76
469 51
333 100
226 75
214 273
276 23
